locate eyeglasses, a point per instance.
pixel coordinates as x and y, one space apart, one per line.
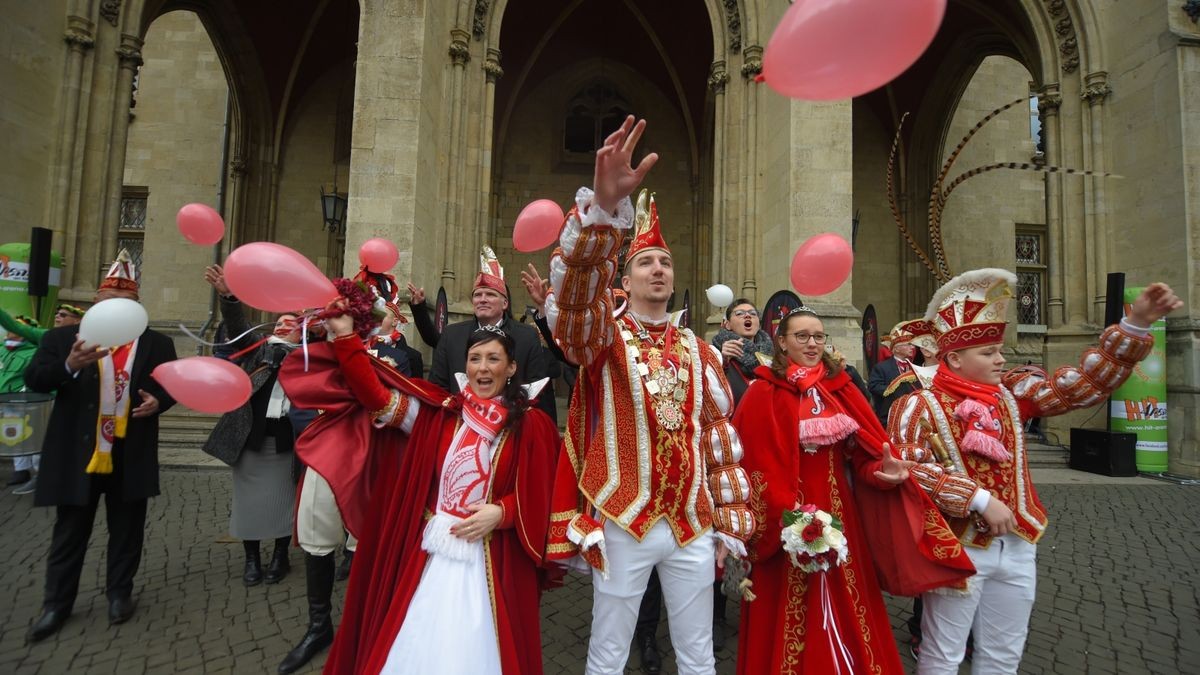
803 337
743 313
62 314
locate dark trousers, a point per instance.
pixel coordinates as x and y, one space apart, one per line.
68 545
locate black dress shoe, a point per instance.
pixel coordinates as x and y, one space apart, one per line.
18 478
48 624
120 609
651 661
279 566
252 574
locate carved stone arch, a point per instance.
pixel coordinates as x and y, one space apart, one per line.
251 122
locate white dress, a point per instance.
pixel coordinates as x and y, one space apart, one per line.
449 628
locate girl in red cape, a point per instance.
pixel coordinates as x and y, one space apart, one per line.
810 438
449 497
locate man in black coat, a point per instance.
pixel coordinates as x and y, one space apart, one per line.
66 365
883 384
490 302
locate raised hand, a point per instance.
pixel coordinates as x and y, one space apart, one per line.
1156 301
535 285
893 471
215 276
417 294
616 178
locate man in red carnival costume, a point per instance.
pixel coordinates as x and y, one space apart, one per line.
966 432
649 478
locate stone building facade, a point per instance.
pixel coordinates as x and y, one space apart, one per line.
440 120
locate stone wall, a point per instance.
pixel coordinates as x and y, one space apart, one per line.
533 166
174 150
31 68
877 255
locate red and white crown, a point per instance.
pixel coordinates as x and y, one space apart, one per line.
971 310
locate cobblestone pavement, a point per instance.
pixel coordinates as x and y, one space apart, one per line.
1119 591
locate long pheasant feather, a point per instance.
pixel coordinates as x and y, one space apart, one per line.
891 194
1020 166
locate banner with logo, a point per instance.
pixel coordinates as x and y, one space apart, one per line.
1140 405
14 283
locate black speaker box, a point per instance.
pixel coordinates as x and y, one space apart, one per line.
39 261
1104 452
1114 298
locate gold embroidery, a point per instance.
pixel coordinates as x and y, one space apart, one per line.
794 616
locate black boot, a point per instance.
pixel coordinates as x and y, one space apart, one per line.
718 618
19 477
279 566
343 570
648 647
318 571
252 575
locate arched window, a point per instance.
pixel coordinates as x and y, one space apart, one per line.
592 114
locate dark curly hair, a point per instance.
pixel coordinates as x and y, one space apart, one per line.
514 394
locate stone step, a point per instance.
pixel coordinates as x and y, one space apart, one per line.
1047 456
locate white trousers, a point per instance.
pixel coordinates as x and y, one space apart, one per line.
997 609
319 528
686 575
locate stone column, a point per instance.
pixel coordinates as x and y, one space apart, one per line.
717 80
80 39
129 56
1049 101
452 256
1095 93
483 193
747 265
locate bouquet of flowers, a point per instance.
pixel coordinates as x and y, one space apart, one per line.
813 539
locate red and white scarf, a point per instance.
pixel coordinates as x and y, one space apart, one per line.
466 473
113 419
978 409
820 423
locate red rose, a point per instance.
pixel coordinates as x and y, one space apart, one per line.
805 558
813 531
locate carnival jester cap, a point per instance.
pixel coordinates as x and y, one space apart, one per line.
917 332
491 274
647 233
971 310
122 275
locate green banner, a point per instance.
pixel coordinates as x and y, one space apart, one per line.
1140 405
14 284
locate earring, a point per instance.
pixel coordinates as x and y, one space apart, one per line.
507 381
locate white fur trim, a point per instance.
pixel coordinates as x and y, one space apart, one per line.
735 545
974 277
597 216
438 539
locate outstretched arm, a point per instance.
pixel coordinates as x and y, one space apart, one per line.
579 306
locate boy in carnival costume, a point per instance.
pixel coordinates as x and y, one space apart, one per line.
965 432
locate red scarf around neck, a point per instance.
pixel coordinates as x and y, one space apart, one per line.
978 408
821 423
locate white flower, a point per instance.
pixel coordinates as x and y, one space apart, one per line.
834 537
825 518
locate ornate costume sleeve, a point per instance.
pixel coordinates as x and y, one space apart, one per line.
1101 370
388 407
722 451
911 427
579 305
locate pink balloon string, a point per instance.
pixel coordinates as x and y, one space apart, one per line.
226 343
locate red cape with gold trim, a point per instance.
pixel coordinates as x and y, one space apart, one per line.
386 484
913 548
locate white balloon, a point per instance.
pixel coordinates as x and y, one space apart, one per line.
720 295
114 322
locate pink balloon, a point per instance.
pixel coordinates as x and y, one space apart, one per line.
538 226
204 383
275 278
379 255
836 49
821 264
200 224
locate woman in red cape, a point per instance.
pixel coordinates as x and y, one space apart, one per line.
810 438
432 530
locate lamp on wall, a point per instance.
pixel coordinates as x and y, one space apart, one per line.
333 207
